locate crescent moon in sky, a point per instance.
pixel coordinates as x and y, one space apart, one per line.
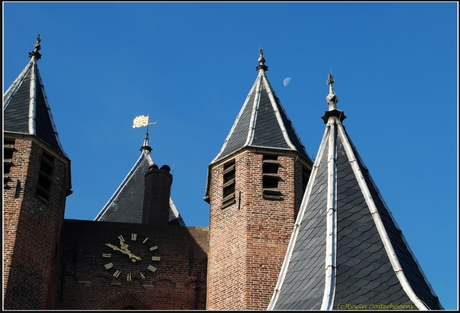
286 81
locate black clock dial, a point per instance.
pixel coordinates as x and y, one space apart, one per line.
131 257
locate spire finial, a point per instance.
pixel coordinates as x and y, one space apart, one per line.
331 98
330 80
261 61
37 48
146 142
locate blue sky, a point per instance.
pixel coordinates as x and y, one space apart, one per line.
191 65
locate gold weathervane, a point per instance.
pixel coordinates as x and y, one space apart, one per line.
142 121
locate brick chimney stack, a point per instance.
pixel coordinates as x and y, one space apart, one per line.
156 196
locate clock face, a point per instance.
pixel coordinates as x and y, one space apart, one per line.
131 257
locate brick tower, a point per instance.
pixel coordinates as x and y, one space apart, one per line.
255 187
36 183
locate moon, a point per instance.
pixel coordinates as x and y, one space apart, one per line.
286 81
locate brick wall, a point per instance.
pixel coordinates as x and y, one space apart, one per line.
247 244
179 283
31 229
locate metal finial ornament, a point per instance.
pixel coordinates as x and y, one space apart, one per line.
331 98
146 142
37 48
330 79
261 61
37 44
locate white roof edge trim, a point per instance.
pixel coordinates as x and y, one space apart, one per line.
148 156
331 219
32 99
120 188
16 84
255 110
303 206
173 207
380 228
235 122
278 115
402 236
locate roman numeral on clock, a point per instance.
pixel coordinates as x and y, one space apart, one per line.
152 268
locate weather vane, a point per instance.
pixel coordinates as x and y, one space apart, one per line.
142 121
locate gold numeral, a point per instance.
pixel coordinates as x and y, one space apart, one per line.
121 238
133 237
142 275
155 258
108 265
117 273
106 255
153 248
145 240
128 277
152 268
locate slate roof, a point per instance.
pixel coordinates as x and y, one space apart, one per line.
262 121
126 203
25 105
346 251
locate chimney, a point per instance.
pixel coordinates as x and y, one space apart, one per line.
156 195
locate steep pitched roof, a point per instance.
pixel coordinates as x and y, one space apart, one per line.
346 251
126 203
262 121
25 106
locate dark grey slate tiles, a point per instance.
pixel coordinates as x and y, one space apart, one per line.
17 113
303 285
359 276
267 130
262 123
364 275
126 205
239 133
409 265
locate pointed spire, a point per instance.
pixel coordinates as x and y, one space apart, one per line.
262 121
346 247
331 98
26 109
261 61
37 48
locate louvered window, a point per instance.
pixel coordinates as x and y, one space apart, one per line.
270 178
44 178
8 149
229 184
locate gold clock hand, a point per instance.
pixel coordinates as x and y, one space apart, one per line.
125 250
124 247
